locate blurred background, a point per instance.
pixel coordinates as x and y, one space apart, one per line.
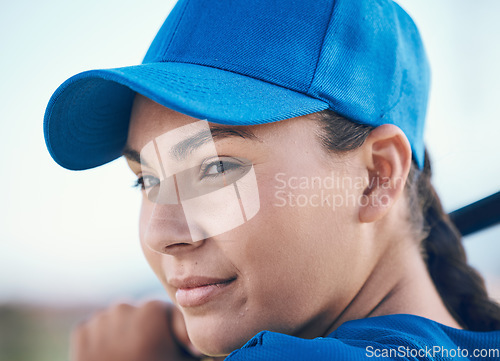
68 240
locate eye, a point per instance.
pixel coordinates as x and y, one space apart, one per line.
216 168
220 167
146 182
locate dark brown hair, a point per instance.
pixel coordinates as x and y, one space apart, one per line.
461 288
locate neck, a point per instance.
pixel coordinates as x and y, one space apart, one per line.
399 283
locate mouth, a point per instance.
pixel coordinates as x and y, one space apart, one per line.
197 291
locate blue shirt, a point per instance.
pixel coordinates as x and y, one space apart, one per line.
391 337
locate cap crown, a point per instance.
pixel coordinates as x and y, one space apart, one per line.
363 57
277 41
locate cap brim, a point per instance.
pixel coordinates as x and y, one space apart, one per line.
86 121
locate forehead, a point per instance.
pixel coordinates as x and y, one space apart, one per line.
150 119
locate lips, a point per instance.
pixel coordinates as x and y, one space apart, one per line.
197 291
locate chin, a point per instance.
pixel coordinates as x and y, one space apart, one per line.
219 345
218 340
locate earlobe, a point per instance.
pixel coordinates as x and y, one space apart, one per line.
387 157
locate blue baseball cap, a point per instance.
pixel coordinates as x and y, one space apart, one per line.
244 62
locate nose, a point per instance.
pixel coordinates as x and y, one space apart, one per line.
164 229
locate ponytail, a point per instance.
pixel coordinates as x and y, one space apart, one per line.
461 288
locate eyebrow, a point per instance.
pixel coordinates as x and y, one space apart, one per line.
185 147
132 154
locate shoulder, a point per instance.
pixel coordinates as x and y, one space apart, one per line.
397 337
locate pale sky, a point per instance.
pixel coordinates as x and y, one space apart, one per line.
71 237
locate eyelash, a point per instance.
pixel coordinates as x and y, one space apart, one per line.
226 166
139 183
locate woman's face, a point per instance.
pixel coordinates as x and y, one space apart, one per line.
291 268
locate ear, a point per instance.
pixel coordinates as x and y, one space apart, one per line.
387 157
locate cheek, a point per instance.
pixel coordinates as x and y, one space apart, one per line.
292 249
144 217
153 258
156 262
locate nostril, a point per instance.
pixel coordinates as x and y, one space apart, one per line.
162 226
176 248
